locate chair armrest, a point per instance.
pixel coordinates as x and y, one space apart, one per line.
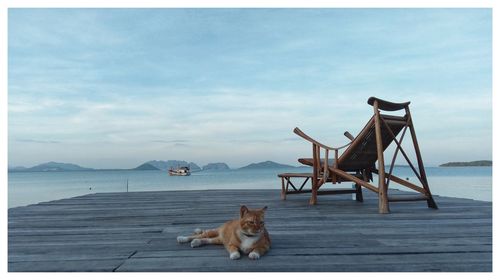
386 105
308 138
316 157
305 136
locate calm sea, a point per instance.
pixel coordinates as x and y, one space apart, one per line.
33 187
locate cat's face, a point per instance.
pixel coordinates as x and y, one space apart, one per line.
252 220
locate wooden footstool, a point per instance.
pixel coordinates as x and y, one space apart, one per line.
287 177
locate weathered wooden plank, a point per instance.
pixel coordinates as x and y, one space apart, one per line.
72 255
386 262
97 265
314 251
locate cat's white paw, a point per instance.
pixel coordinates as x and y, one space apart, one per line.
234 255
254 255
196 243
198 231
182 239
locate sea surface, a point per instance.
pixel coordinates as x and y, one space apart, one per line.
33 187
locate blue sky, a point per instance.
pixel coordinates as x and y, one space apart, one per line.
111 88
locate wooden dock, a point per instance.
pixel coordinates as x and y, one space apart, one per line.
137 232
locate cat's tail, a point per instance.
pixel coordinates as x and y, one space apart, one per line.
198 233
208 233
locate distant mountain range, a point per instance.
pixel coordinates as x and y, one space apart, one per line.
50 167
150 165
166 165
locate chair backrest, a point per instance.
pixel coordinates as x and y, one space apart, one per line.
362 153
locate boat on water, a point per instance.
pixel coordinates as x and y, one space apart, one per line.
179 171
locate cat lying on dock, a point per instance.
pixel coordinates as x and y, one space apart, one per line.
246 234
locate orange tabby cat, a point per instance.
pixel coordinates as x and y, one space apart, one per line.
246 234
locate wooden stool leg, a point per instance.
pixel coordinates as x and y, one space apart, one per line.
283 190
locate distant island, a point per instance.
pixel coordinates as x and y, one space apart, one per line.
265 165
216 166
469 163
150 165
146 166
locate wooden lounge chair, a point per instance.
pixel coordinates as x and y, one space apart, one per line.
357 162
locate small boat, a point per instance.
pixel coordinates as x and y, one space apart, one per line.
180 171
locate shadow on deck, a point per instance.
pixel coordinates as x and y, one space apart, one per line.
137 232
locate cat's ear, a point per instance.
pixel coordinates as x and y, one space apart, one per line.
265 208
243 210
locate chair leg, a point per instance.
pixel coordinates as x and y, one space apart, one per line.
314 193
383 201
314 197
431 203
359 193
383 205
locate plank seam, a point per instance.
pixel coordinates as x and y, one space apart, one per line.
116 268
